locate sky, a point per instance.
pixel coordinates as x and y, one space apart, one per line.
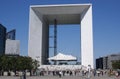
14 14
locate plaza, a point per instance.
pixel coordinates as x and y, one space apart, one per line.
56 77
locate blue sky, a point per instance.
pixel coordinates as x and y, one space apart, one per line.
14 14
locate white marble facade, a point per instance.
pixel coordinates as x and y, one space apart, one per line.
41 16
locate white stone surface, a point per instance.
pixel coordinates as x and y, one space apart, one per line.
87 38
41 16
35 36
12 47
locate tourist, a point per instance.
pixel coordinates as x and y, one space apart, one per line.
60 74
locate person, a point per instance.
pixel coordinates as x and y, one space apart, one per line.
98 73
24 75
60 74
117 73
94 72
83 73
89 71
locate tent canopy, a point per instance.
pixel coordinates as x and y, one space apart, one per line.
62 57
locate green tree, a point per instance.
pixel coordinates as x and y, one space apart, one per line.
17 63
116 64
4 62
35 64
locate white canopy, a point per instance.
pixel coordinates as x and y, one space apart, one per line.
62 57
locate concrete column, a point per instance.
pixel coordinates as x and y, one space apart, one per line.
45 41
87 38
35 36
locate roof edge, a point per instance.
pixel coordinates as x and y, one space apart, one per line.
61 5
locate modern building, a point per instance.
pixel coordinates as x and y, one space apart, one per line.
2 39
12 47
99 63
106 61
41 16
11 34
8 44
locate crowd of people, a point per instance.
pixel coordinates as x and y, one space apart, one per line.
91 73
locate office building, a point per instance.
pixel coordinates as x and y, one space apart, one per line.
99 63
11 34
12 47
2 39
106 61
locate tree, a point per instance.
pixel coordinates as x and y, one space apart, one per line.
35 64
4 63
116 64
17 63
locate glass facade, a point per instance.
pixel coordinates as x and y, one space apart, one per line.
99 63
11 34
2 39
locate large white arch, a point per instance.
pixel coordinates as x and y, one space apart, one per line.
41 16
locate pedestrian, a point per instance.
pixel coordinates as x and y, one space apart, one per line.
60 74
24 75
89 71
94 72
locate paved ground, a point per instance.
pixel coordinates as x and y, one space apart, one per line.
56 77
